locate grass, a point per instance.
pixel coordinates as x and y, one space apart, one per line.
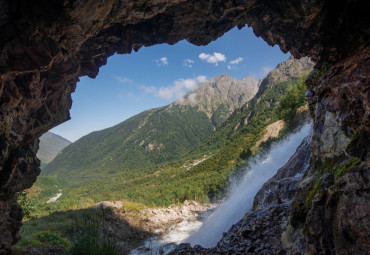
78 231
91 239
44 238
130 206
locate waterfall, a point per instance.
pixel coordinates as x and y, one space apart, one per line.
208 230
241 195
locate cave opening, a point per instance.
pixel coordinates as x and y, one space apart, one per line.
43 54
153 77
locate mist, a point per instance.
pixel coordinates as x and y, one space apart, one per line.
242 191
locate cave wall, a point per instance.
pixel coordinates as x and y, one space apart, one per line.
45 46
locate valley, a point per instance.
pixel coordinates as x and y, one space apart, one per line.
172 154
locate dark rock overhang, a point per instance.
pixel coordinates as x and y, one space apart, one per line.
45 46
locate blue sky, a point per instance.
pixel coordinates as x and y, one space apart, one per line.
158 75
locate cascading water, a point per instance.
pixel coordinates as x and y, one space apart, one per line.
208 230
242 193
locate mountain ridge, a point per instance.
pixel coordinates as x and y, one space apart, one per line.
50 145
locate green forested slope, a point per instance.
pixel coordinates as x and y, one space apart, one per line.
171 182
138 144
166 155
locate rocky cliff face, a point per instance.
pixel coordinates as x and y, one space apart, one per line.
221 95
289 69
331 203
45 46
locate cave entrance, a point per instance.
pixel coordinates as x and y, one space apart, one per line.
153 77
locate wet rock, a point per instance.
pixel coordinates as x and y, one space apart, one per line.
280 188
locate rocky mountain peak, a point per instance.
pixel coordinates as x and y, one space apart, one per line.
290 69
220 96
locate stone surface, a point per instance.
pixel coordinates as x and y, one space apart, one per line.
11 221
331 201
340 104
47 45
131 228
280 188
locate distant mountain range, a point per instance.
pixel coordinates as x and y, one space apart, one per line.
186 150
50 145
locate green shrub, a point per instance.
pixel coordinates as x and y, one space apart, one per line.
26 205
45 239
91 240
129 206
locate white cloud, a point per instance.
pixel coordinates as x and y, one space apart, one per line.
188 62
236 61
180 88
149 89
201 78
162 61
123 80
266 70
213 58
193 98
262 74
177 91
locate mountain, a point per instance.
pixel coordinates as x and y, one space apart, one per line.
173 153
50 145
262 108
278 105
291 69
221 95
156 136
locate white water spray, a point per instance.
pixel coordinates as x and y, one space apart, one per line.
208 230
242 194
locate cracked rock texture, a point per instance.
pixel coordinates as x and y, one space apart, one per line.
45 46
